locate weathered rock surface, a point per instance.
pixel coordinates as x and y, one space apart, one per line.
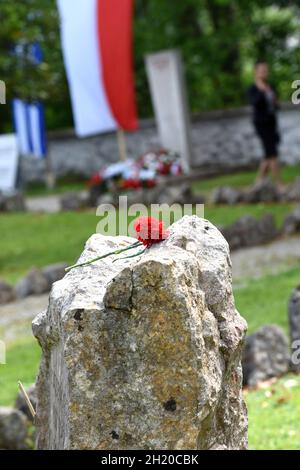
34 283
73 201
54 272
144 353
38 281
13 429
7 293
294 324
160 194
292 193
266 355
264 191
176 194
12 203
249 231
291 223
226 195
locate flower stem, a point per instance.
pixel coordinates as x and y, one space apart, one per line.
131 256
116 252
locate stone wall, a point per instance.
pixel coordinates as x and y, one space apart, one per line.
218 138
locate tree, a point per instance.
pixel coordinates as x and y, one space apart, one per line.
219 40
22 24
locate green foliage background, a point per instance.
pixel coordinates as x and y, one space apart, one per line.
219 40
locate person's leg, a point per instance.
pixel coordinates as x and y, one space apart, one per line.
272 142
264 167
263 170
275 170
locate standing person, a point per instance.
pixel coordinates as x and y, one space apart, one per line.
265 105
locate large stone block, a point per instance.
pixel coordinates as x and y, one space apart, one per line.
264 191
249 231
34 283
292 193
294 324
144 353
13 429
7 293
226 195
291 223
266 355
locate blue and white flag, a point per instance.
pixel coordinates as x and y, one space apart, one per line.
29 123
29 119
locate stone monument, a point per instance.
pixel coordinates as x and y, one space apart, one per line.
168 91
144 353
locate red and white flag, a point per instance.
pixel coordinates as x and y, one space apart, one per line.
97 48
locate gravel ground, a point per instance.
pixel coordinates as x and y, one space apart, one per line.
48 204
16 317
259 261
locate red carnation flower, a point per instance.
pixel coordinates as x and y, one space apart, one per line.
149 230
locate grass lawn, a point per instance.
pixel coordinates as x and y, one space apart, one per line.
39 239
241 180
265 300
274 414
225 215
22 359
63 185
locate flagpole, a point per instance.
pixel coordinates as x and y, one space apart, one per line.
121 144
50 177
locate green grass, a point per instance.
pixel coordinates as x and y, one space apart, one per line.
64 184
273 421
39 239
241 180
265 300
274 414
22 359
41 190
225 215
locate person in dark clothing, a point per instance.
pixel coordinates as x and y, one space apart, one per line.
263 98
